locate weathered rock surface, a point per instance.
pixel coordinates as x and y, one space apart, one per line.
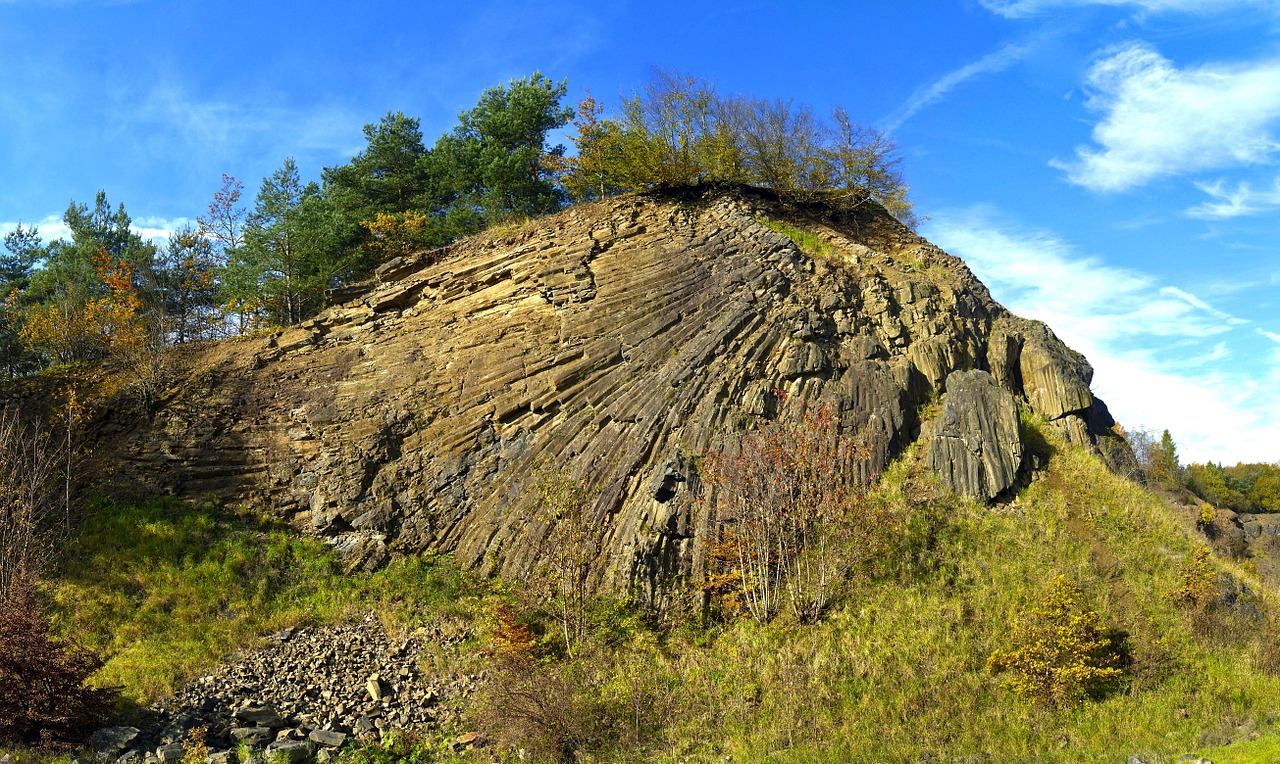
619 341
975 444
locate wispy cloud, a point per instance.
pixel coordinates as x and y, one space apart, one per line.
1159 121
1236 202
1024 8
178 123
1158 350
1196 302
51 228
930 94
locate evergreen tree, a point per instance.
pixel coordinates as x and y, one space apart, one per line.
291 253
187 286
23 248
496 163
382 193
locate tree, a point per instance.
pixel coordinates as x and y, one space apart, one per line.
1165 467
74 310
794 521
591 174
22 250
1058 655
567 550
679 132
291 254
496 163
383 193
866 167
187 286
389 176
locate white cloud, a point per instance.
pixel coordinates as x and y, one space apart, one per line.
1157 349
177 124
50 228
1242 200
1196 302
926 96
1023 8
1160 121
153 229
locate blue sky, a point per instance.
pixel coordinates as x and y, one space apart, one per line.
1109 166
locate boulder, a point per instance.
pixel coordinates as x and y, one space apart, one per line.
328 738
975 445
113 739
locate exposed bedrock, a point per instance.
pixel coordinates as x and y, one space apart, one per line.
975 444
616 340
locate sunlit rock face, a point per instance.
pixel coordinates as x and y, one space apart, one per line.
619 341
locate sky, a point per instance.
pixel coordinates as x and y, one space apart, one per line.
1111 167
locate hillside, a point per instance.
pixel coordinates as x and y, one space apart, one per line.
618 341
623 342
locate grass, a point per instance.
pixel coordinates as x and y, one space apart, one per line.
809 243
895 673
168 590
898 672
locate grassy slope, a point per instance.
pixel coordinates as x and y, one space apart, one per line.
168 590
896 671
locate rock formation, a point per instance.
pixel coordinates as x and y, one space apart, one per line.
617 341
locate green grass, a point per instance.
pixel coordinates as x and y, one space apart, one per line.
899 672
167 590
895 672
809 243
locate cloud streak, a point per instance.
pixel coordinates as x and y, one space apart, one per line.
1243 200
1157 349
1159 121
1025 8
928 95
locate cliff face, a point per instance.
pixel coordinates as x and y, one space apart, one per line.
619 341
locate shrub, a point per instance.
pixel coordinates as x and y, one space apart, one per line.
1058 656
43 697
794 519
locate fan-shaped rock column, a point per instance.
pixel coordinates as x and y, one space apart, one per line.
976 445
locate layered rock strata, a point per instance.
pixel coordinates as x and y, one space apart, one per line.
617 341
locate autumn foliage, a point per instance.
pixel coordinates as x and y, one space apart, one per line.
1057 656
43 696
794 518
111 320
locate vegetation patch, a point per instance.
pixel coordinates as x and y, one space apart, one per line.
167 590
808 242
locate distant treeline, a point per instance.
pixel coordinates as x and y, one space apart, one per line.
1242 488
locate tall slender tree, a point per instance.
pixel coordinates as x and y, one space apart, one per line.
291 253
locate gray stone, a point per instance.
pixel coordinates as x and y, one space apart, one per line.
254 736
328 738
221 757
293 751
113 738
260 716
170 753
975 446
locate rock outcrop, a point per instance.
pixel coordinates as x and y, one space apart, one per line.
975 444
618 341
